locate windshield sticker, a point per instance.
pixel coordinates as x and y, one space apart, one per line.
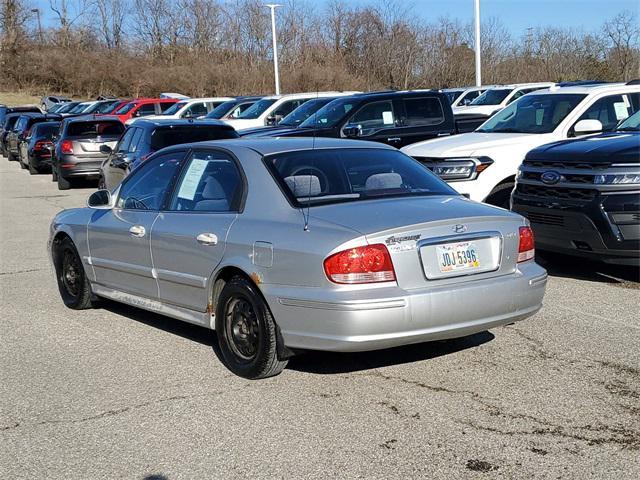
387 118
621 110
192 179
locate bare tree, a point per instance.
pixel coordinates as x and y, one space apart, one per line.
112 15
623 31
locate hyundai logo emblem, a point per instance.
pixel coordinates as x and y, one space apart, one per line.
459 228
551 177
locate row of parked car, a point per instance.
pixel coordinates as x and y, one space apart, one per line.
580 195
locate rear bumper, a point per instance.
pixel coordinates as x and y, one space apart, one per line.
586 229
360 320
73 167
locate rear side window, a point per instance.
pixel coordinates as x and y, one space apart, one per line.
210 183
95 128
166 136
374 117
349 175
423 111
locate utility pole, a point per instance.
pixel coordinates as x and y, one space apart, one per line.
37 12
477 44
272 7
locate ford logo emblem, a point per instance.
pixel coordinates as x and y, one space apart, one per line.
459 228
550 177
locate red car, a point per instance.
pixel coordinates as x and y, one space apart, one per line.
141 107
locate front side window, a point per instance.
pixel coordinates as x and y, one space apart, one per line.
174 108
609 111
329 115
452 95
286 108
533 114
126 108
469 97
348 175
196 110
374 117
125 140
210 183
146 109
147 186
423 111
303 112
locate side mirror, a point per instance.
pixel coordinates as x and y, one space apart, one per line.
585 127
187 115
106 149
271 120
100 200
137 113
466 102
352 131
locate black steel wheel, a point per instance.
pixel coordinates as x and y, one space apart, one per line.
247 332
73 283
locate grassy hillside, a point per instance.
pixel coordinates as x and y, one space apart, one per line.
13 98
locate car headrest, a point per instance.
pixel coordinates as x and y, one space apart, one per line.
382 181
303 185
213 190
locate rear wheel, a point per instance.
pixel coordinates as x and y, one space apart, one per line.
73 283
63 183
33 170
11 157
247 331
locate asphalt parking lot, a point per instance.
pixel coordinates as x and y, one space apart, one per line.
120 393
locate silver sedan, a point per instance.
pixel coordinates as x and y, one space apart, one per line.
283 245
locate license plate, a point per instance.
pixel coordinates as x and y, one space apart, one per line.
458 257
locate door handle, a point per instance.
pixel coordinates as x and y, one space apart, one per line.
137 231
207 239
393 139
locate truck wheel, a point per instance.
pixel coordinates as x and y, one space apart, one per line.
246 331
73 283
11 157
501 195
63 183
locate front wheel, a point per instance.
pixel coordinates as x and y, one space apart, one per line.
246 331
73 283
501 196
33 170
63 183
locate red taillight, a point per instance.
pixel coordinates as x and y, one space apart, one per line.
66 147
41 145
368 264
526 248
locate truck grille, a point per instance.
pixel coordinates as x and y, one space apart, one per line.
566 165
545 219
544 191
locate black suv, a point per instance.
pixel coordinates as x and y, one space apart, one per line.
145 137
582 196
35 150
395 118
21 130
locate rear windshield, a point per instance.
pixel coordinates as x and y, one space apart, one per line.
324 176
165 137
46 129
95 128
493 96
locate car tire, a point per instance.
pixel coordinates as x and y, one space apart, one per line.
63 183
11 157
247 332
23 166
501 195
33 170
73 284
54 174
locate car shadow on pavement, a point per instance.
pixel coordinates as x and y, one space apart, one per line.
161 322
581 269
327 363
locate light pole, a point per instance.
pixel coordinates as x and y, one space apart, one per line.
477 44
272 7
37 12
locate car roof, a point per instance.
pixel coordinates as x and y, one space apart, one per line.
163 122
154 100
270 145
592 89
206 99
295 96
91 117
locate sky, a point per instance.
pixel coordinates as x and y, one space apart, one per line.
516 15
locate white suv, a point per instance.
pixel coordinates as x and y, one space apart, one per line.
187 108
495 99
270 110
483 164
